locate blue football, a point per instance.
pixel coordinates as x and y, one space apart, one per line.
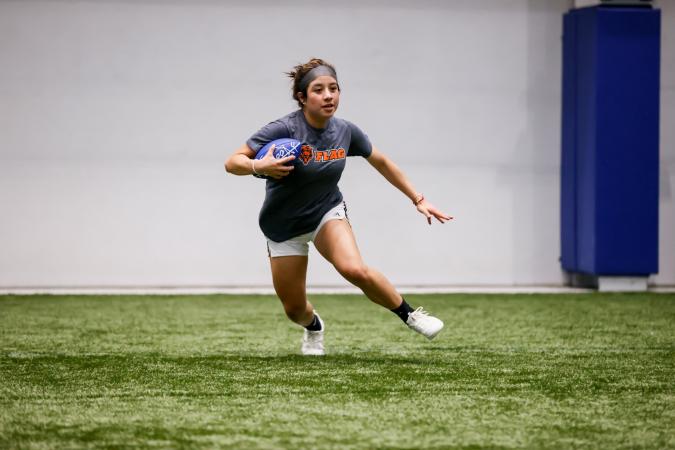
282 148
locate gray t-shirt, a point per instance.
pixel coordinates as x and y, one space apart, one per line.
295 204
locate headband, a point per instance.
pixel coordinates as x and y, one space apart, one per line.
316 72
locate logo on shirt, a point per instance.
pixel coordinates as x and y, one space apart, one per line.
329 155
307 153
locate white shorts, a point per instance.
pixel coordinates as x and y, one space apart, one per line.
299 245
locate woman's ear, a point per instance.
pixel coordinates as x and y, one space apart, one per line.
301 97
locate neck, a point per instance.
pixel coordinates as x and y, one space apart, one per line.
315 122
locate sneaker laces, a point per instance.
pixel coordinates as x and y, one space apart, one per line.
419 313
313 337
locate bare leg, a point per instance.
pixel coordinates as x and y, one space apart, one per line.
289 274
335 241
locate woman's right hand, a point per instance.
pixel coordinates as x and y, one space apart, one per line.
272 167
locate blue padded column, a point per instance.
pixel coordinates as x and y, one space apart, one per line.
610 153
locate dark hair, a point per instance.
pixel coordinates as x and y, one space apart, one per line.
299 71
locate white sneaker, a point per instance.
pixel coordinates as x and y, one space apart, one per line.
420 321
312 341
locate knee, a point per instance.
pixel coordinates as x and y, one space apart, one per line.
357 274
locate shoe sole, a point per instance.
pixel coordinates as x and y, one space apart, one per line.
432 336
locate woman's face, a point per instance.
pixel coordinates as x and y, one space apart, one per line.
323 98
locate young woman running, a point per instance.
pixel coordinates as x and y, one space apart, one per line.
303 203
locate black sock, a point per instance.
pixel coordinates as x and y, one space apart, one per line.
403 310
315 325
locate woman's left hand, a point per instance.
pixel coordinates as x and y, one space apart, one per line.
430 211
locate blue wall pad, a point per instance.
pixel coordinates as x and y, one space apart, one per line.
610 141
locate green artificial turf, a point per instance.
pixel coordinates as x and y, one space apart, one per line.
592 371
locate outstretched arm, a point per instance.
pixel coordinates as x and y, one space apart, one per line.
397 178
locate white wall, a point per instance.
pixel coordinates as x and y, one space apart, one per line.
667 138
116 117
